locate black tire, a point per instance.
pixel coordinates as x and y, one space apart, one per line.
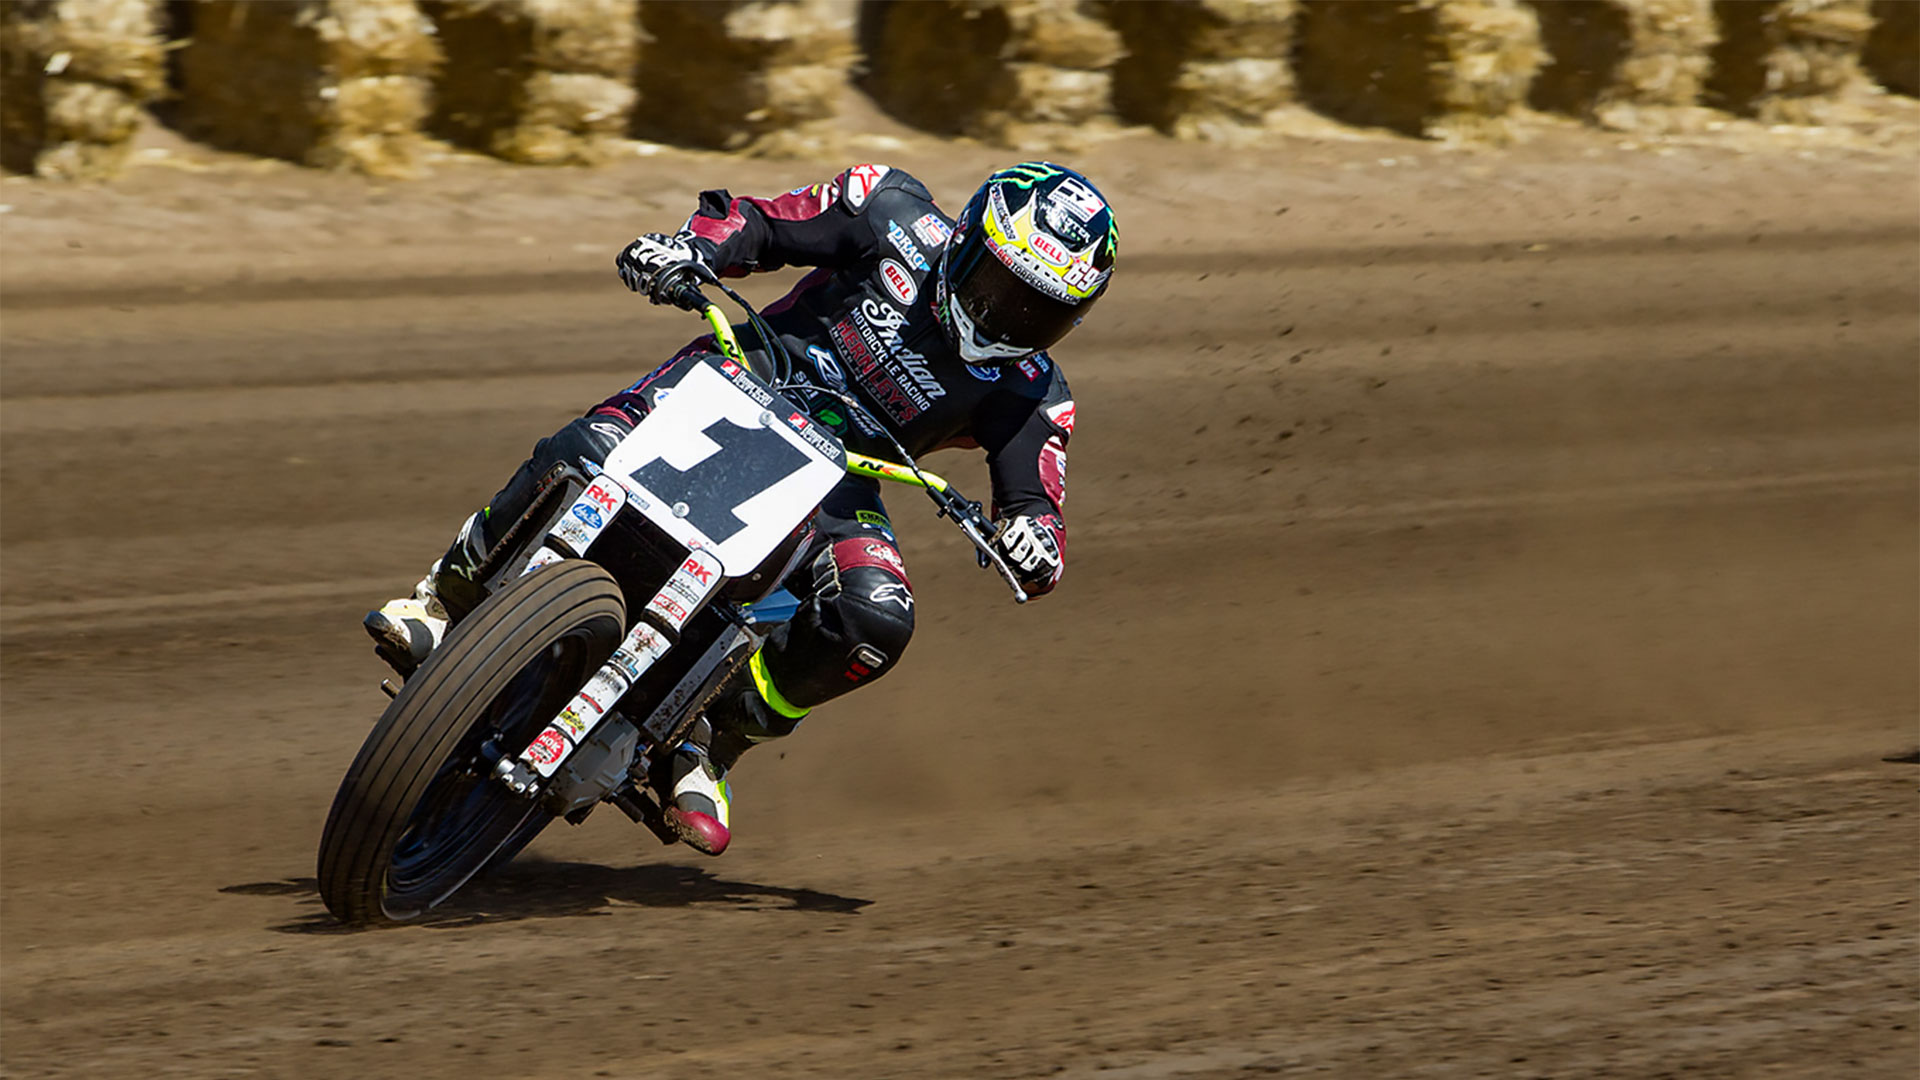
417 814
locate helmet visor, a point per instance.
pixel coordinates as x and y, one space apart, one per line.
1002 307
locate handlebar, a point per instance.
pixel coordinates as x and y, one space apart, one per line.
679 285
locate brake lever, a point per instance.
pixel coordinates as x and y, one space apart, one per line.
971 525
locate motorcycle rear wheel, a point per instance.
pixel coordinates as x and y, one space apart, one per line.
419 812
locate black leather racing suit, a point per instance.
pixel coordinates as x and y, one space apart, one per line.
866 319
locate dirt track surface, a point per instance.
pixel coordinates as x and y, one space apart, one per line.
1477 663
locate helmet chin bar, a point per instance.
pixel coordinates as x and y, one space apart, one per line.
975 349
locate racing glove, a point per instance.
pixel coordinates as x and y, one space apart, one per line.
1031 547
646 263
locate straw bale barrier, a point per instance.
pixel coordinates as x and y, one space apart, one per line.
1202 69
330 83
1788 61
1625 64
1892 54
730 74
73 77
542 82
1438 68
1026 73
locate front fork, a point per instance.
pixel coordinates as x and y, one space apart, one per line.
591 751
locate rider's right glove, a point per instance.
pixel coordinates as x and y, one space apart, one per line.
1033 550
643 263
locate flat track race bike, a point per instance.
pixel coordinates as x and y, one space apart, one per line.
616 605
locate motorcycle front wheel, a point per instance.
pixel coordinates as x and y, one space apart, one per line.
419 812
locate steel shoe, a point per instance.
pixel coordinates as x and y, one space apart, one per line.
407 630
699 811
737 718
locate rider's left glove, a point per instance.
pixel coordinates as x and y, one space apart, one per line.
642 263
1031 548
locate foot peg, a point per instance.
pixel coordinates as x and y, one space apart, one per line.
639 806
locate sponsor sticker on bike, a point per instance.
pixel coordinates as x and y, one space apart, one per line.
546 556
607 684
571 722
684 591
641 647
669 609
700 568
630 664
589 516
752 389
546 750
574 534
899 281
604 494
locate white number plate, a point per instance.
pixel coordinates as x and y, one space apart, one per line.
724 464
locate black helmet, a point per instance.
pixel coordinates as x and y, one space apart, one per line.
1031 252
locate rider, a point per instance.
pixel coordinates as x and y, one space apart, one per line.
939 326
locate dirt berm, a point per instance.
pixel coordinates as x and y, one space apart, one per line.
1491 595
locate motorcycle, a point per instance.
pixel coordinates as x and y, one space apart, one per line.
617 604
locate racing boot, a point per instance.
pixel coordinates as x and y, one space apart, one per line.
405 631
745 710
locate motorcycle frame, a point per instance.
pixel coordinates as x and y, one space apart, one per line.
723 632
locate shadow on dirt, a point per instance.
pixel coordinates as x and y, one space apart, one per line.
533 888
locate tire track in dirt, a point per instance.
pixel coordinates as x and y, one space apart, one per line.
1511 704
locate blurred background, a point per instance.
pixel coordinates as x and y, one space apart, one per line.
1493 579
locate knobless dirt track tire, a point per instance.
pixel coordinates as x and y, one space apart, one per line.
508 667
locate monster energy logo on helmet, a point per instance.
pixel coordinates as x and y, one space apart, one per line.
1028 173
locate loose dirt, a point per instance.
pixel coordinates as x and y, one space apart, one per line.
1492 593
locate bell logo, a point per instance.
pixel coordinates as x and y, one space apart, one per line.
899 282
1051 251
